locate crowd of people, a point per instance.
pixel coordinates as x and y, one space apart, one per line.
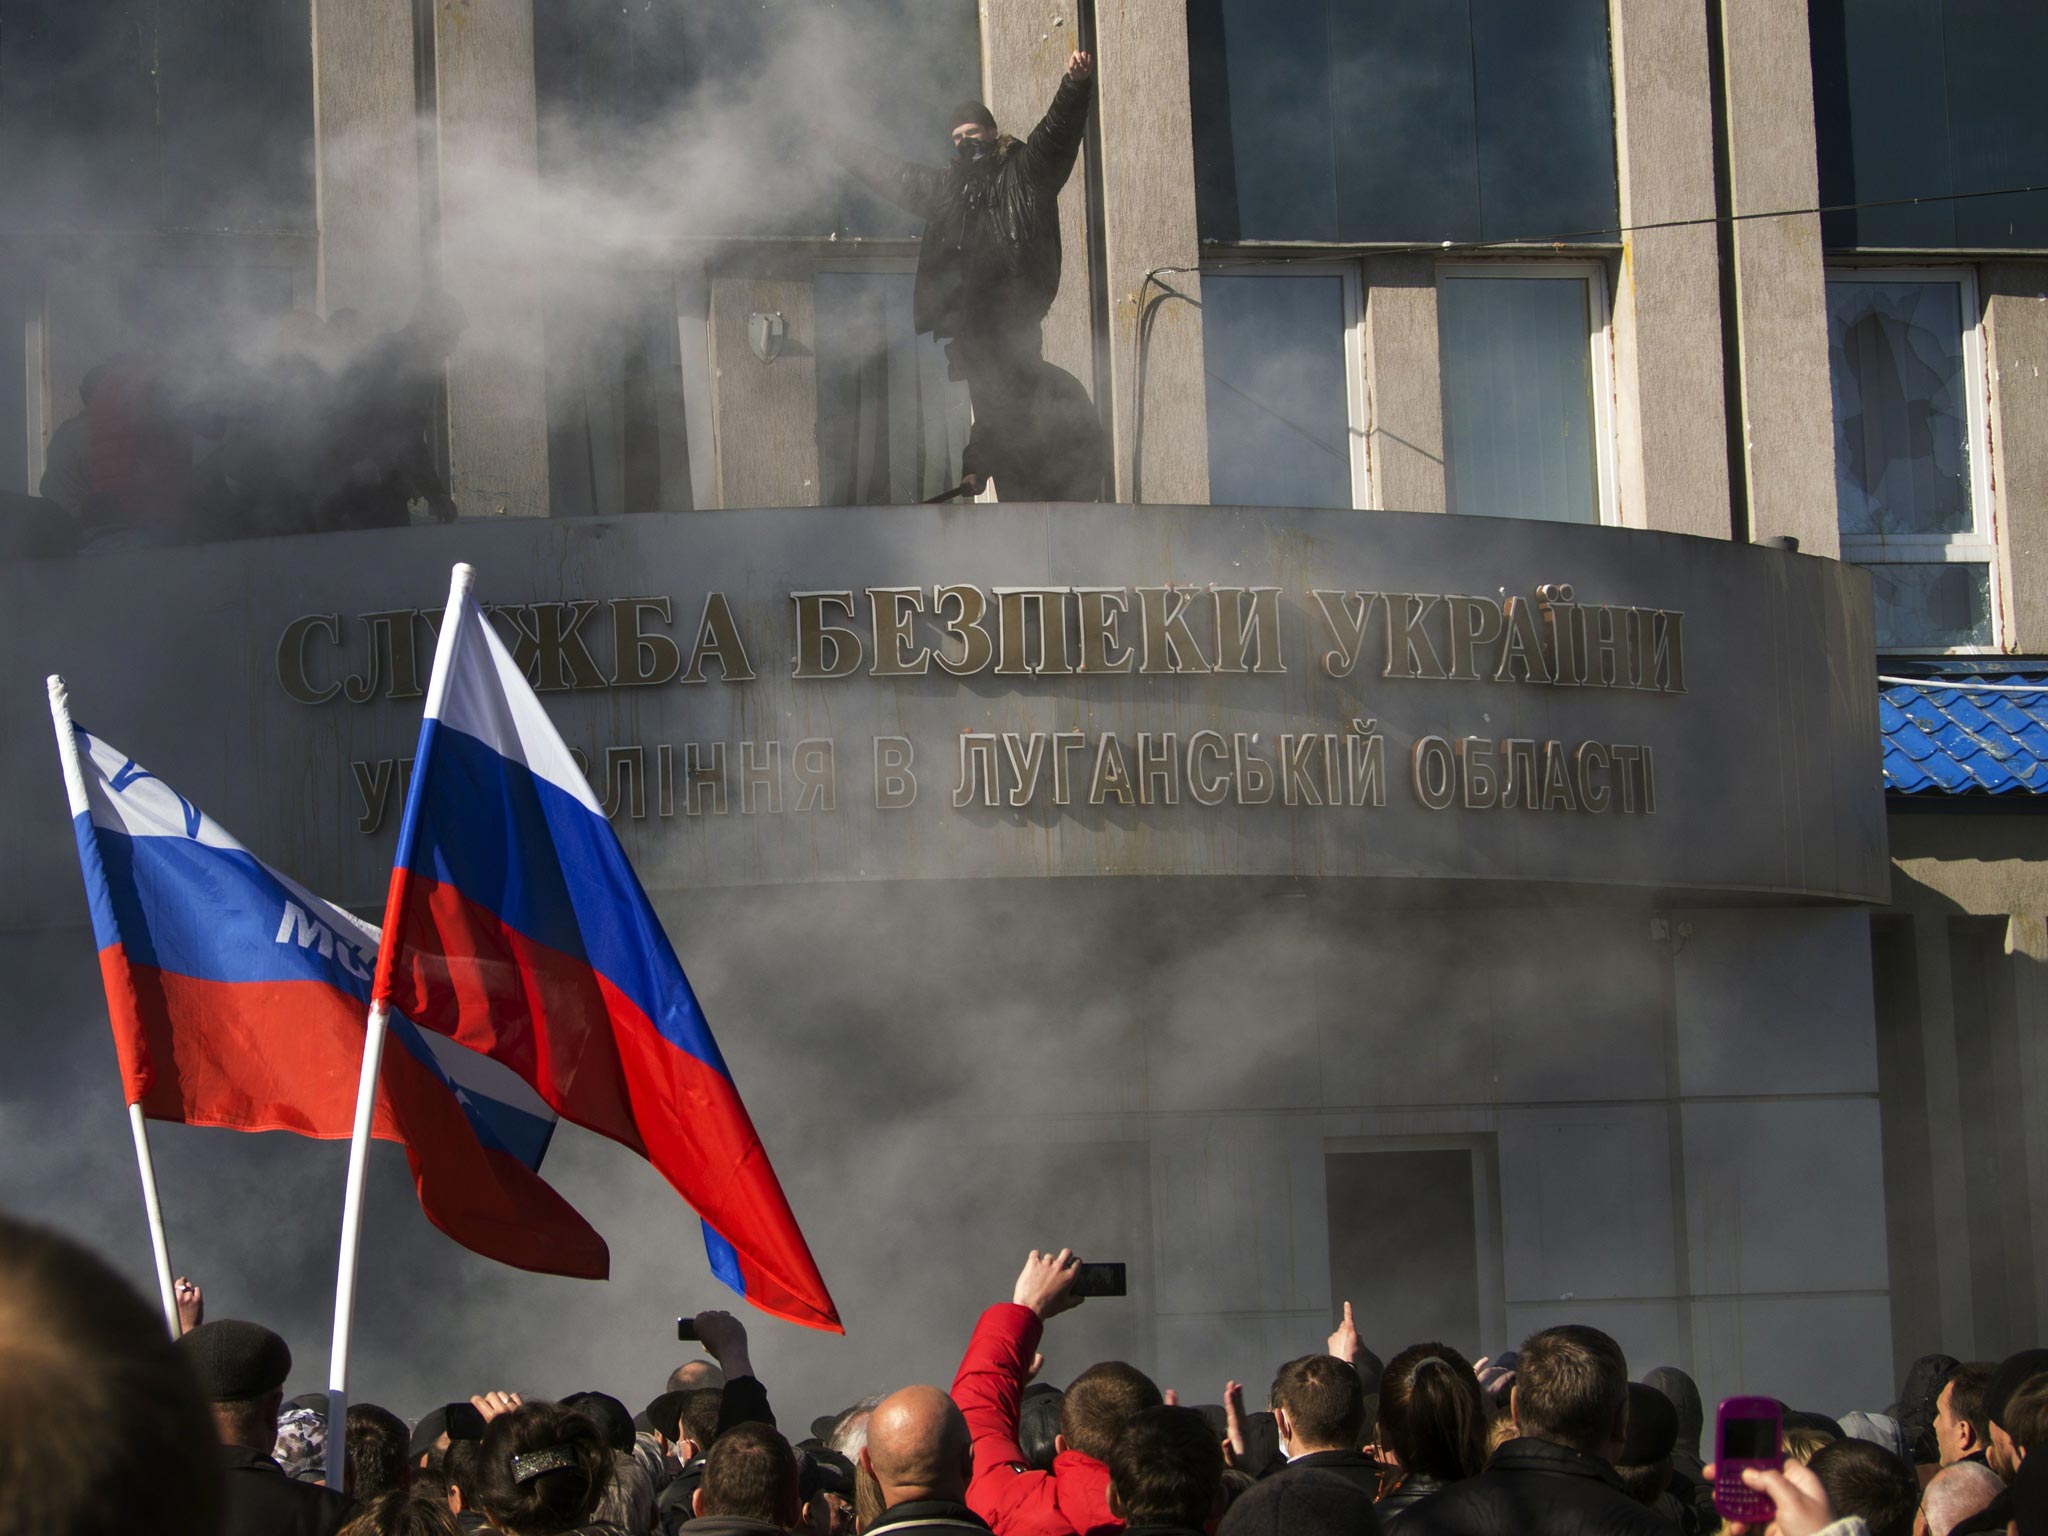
299 425
106 1425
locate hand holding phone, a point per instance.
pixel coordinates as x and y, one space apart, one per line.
1749 1432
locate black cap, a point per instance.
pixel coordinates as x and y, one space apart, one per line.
824 1471
2013 1372
432 1426
611 1417
236 1361
972 112
1652 1427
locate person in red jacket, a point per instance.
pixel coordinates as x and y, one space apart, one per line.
1073 1498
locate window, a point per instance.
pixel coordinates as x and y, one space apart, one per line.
1526 373
1394 120
1911 490
699 110
1286 409
197 115
1928 97
618 434
1415 1237
891 425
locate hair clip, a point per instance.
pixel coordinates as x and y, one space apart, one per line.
533 1463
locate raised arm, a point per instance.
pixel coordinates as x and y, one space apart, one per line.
1056 141
911 187
724 1338
1000 1358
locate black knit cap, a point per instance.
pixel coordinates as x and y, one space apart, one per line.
973 112
2013 1372
236 1361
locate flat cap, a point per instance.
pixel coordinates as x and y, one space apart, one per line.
235 1360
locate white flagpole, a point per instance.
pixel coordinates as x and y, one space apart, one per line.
74 784
459 583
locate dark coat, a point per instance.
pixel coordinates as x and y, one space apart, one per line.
1352 1466
936 1515
259 1500
1413 1488
990 257
734 1525
1535 1488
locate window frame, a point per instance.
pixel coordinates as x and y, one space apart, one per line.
1980 545
875 264
1352 274
1600 352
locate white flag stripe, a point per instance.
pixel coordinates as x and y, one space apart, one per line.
145 806
484 1077
489 698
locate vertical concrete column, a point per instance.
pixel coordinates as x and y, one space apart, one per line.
765 415
2026 947
489 160
366 158
1671 447
1787 406
2015 299
1161 439
1950 1236
1024 51
1404 386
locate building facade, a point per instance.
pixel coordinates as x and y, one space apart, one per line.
1717 1073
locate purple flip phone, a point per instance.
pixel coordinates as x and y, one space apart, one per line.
1748 1432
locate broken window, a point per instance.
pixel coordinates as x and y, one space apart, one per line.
1902 355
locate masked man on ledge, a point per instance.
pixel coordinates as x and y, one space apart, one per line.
987 272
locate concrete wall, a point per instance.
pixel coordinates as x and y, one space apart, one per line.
2014 295
1678 1122
1670 412
1787 404
1404 388
487 147
1964 1052
366 158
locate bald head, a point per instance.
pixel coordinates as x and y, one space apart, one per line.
918 1447
695 1375
1957 1493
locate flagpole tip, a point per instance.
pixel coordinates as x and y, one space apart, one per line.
58 694
461 579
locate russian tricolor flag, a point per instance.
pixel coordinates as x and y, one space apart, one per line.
238 999
518 929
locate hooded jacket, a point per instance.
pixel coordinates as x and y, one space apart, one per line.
990 256
1070 1500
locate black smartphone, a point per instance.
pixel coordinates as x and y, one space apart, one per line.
686 1329
465 1422
1098 1280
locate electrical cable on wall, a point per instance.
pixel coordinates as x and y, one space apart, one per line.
1147 311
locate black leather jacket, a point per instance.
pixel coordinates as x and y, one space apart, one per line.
990 258
1535 1488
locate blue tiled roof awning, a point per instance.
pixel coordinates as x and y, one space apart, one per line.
1948 735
